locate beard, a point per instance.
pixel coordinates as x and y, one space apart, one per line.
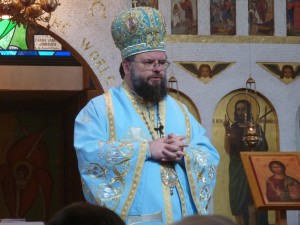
241 118
151 93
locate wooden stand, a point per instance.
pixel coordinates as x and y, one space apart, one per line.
254 163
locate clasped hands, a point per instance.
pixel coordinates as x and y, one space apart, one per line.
169 148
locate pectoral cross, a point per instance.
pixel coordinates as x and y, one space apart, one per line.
160 130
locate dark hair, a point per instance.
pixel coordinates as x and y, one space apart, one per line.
121 71
84 213
130 58
277 163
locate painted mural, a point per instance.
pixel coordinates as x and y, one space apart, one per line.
31 153
225 122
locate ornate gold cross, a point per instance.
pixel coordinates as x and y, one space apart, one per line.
134 2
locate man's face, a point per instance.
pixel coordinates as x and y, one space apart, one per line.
276 169
149 82
241 112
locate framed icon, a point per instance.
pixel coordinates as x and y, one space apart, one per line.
274 179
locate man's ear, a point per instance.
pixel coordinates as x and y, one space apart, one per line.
126 66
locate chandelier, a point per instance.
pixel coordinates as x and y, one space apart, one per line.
252 134
172 80
27 11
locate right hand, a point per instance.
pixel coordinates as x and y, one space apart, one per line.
226 122
169 148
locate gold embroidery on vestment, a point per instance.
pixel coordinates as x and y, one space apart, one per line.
122 167
110 115
168 173
136 181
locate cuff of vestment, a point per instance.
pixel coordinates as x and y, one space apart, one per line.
148 153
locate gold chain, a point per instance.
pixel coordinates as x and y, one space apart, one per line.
168 174
138 107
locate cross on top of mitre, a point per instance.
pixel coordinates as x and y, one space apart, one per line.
134 2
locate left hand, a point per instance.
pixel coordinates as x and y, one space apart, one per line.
174 147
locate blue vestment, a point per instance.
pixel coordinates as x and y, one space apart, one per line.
117 171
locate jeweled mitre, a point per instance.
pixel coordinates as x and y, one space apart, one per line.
138 30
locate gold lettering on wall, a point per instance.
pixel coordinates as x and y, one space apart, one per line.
60 25
98 61
103 70
86 44
100 7
94 55
110 80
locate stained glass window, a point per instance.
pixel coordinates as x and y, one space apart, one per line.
25 41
